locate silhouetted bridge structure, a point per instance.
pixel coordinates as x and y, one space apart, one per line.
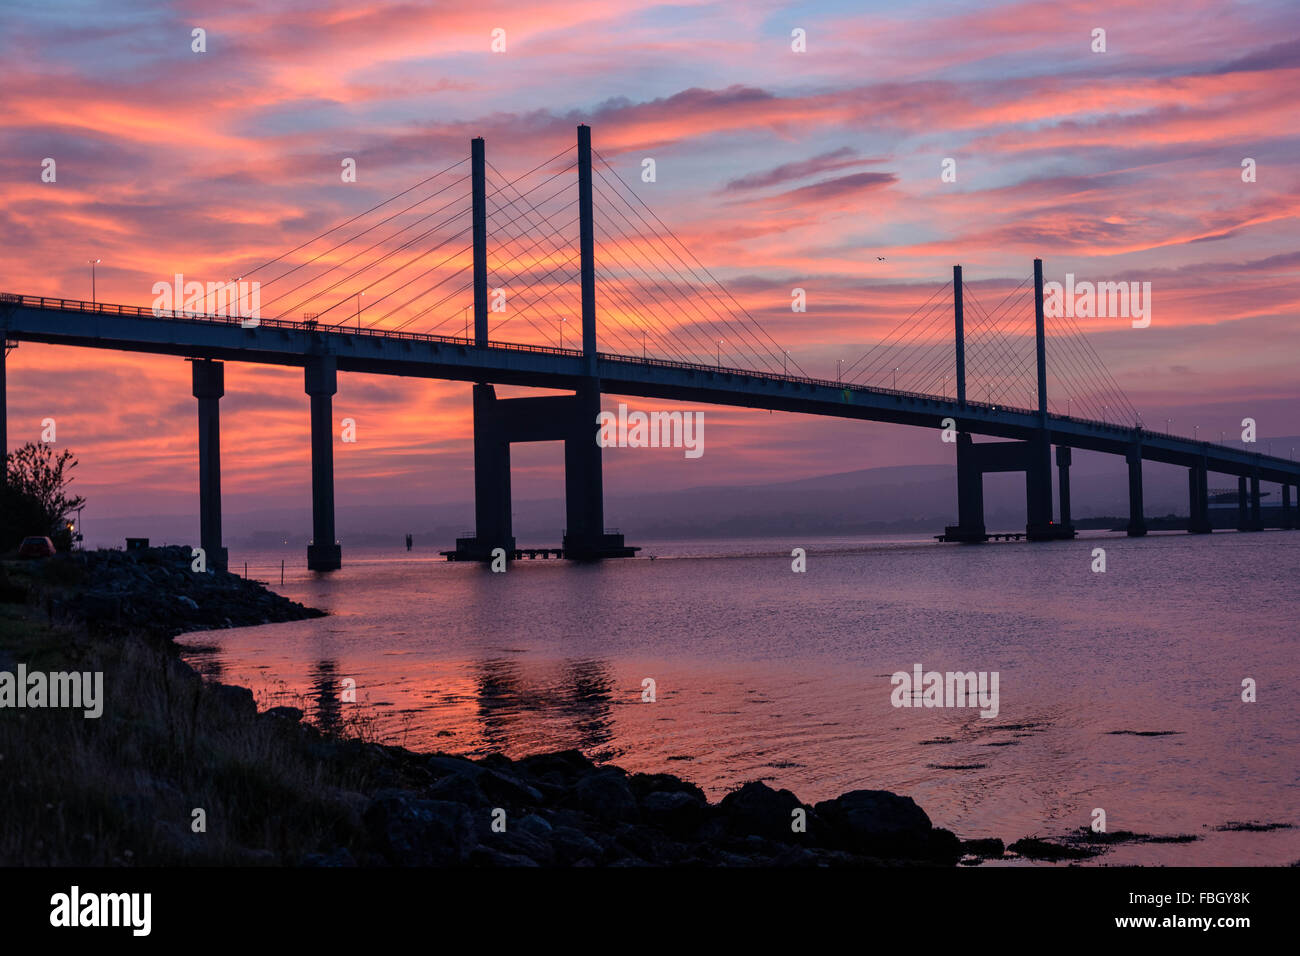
1028 431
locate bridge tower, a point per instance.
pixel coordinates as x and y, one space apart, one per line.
1033 456
568 418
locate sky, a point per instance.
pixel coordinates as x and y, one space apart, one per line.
774 169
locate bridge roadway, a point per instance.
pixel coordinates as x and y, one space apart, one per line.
284 342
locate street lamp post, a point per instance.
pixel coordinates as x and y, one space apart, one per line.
359 295
93 263
720 341
895 379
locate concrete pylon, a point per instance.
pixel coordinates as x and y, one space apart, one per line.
1137 525
209 385
321 382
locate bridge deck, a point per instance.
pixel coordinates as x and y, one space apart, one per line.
286 342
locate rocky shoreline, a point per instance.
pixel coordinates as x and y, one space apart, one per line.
157 591
385 805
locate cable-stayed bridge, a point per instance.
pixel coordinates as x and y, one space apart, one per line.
469 276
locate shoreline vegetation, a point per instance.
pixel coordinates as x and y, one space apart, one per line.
180 770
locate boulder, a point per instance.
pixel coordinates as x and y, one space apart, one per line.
756 809
410 831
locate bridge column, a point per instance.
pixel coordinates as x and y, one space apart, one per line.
1198 499
1243 518
1063 457
1038 490
970 495
1288 522
493 526
209 385
1137 525
321 381
583 480
1256 518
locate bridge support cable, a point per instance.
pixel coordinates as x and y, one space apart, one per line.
361 215
653 297
697 314
923 311
763 348
386 239
465 288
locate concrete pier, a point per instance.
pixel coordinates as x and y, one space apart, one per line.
1256 518
209 383
321 382
1065 528
1198 499
1137 525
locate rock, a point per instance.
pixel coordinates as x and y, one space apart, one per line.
564 767
883 824
441 765
605 795
759 810
983 848
536 826
573 846
865 816
412 832
643 784
459 788
285 713
508 790
676 811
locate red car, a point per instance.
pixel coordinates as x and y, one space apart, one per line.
36 547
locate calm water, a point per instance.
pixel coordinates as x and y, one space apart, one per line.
765 674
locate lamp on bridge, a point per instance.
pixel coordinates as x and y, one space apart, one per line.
359 295
93 263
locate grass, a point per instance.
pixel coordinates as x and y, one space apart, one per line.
122 788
